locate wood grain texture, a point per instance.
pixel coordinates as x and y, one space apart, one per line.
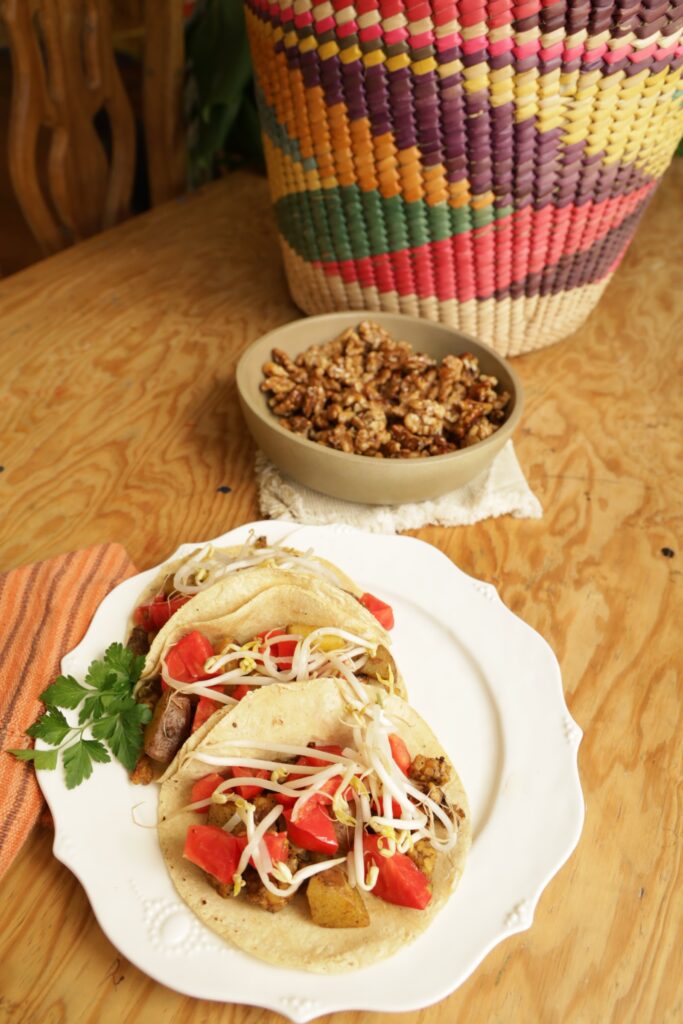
118 420
164 69
64 74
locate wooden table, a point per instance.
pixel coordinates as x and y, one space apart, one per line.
119 421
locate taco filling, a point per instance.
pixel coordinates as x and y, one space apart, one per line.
197 677
179 582
333 822
333 808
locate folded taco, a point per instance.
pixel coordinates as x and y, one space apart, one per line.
253 629
178 581
317 827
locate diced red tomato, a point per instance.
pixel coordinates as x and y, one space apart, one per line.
282 798
382 611
218 852
396 809
277 845
241 690
313 829
327 791
185 660
155 615
205 708
283 649
400 881
203 788
214 850
248 792
319 762
399 752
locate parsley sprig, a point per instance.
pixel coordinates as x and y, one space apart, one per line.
108 711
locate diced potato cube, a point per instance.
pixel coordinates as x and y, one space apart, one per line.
334 903
322 643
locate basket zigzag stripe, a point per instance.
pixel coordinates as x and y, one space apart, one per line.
481 163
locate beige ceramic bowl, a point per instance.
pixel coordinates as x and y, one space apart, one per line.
359 477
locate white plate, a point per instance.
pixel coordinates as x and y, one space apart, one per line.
491 688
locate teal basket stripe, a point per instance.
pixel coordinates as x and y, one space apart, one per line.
278 134
365 224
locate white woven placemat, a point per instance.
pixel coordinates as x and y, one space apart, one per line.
501 490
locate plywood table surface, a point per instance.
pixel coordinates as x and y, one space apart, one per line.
119 421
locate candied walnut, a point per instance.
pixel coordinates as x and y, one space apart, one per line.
425 417
340 438
271 369
277 385
451 368
434 770
368 393
314 399
441 446
478 431
290 403
467 414
297 373
372 334
297 424
409 442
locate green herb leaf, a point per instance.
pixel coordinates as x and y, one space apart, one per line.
91 708
65 692
97 751
107 707
124 662
126 738
51 727
77 764
119 670
43 759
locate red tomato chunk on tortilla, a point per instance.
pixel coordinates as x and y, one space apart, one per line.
155 615
203 788
218 852
213 850
249 792
282 651
205 708
400 881
382 611
313 829
399 752
185 660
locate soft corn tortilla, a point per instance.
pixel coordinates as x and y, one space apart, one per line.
297 713
331 572
259 599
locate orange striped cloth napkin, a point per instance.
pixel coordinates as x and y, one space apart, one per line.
45 610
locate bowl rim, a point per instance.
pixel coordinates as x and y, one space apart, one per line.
473 451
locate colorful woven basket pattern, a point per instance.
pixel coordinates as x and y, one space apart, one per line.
480 163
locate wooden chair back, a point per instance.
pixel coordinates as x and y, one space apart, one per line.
64 79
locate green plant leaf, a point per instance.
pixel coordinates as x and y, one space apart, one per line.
51 727
65 692
45 760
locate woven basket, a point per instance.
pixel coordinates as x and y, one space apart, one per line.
480 163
